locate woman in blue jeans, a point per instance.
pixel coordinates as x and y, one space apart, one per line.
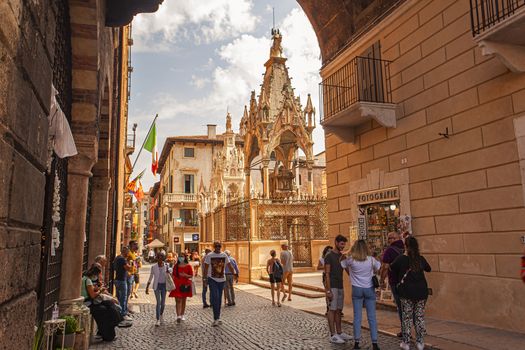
158 275
361 267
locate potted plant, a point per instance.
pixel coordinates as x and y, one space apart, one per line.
70 331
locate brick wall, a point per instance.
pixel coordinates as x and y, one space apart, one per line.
26 56
466 193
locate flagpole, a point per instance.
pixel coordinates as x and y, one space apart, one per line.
143 143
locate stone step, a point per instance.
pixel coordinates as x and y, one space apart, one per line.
300 285
296 290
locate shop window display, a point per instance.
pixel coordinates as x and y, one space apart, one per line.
381 218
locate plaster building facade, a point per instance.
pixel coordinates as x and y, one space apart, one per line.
189 168
424 119
61 62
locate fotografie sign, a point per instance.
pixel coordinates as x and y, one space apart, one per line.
384 195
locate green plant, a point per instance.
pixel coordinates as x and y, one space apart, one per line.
71 324
39 336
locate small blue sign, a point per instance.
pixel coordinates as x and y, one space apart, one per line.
195 237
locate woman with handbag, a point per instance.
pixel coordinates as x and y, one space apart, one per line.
413 291
182 276
160 274
362 269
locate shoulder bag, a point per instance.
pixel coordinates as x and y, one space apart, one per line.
170 285
375 281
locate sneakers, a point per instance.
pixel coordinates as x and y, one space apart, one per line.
356 345
205 306
178 319
157 323
124 324
161 320
345 336
127 318
420 346
219 321
183 318
335 339
215 323
404 346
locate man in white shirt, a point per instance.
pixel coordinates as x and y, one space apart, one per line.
287 263
214 268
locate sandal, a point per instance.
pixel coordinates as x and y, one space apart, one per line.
279 304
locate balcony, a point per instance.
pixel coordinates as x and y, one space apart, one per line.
497 28
358 92
180 198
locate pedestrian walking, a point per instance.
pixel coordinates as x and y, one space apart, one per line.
395 249
231 279
287 263
275 272
214 267
134 263
121 266
361 268
158 276
410 269
205 303
182 277
320 267
334 290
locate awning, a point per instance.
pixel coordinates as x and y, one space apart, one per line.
155 244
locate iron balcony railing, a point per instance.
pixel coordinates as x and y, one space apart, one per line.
485 14
363 79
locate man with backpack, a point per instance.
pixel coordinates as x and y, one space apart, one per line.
275 272
395 249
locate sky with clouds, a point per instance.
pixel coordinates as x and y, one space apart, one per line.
195 59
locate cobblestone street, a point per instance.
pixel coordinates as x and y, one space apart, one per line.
252 324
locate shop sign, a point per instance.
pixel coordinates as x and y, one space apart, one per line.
361 224
188 237
195 237
383 195
175 239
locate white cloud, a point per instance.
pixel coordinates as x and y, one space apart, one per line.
230 79
197 20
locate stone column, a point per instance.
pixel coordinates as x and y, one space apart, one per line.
310 182
99 217
79 172
266 178
247 183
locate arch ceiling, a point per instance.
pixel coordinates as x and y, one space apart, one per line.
337 22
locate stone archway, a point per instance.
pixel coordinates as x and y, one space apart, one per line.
338 22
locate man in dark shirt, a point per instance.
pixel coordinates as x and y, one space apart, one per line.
121 266
334 290
395 249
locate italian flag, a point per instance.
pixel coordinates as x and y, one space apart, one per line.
151 146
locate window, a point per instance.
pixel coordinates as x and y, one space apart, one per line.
145 214
189 152
189 217
300 180
189 184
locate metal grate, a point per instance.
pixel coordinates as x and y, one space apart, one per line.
363 79
485 14
238 221
51 266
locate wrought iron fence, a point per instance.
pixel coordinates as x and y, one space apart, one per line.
217 225
238 221
487 13
363 79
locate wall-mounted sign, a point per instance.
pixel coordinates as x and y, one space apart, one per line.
383 195
176 239
195 237
189 237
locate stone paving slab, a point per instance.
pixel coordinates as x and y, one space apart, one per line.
252 324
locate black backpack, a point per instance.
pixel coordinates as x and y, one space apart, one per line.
277 269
